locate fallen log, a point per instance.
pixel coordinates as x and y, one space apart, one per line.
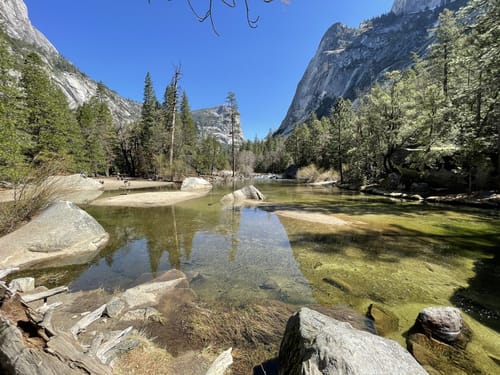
87 320
6 271
107 346
43 295
70 351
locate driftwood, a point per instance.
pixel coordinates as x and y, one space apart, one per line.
221 364
45 294
69 350
7 271
106 347
87 320
48 351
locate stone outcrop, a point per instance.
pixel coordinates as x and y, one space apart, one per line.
349 60
62 231
195 184
216 121
316 344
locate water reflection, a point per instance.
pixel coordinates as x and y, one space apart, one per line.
235 253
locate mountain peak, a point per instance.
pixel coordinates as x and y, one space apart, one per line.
401 7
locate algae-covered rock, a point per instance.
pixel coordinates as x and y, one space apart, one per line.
385 320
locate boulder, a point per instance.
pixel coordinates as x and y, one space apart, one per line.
150 293
246 193
24 284
195 184
442 323
316 344
63 230
76 188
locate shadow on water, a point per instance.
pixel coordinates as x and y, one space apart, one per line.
480 298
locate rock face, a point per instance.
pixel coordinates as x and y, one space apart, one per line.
414 6
193 184
77 87
316 344
349 61
216 121
62 230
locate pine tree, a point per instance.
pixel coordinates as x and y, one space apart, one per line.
233 113
189 132
146 147
50 122
13 138
342 134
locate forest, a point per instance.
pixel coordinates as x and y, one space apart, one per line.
437 122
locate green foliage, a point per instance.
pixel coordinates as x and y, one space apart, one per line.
13 138
211 156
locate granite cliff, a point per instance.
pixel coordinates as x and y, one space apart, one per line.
216 121
24 38
349 61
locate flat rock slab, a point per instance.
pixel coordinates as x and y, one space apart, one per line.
62 231
157 199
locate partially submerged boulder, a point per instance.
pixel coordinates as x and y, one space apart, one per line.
442 323
246 193
61 231
194 184
316 344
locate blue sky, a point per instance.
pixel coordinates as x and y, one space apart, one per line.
118 42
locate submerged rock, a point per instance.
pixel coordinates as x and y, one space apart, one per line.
316 344
385 320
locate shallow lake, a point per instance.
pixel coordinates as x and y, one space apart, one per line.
402 255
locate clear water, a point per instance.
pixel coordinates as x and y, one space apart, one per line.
403 255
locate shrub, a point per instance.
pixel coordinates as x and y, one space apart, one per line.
32 192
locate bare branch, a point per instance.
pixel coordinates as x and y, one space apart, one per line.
209 14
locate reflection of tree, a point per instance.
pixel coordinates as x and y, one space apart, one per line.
234 238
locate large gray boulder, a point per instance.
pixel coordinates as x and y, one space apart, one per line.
76 188
246 193
63 230
315 344
194 184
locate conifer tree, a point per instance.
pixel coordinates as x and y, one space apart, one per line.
233 113
50 122
13 138
146 134
189 132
